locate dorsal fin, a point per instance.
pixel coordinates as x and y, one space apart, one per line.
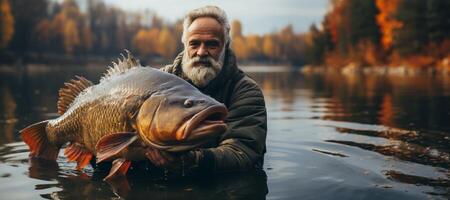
121 66
70 91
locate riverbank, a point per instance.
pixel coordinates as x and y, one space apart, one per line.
353 69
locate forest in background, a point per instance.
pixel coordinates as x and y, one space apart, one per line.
412 33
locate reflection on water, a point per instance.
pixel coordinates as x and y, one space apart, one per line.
330 137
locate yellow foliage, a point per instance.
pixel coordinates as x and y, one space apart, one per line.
254 45
146 41
66 27
6 23
167 44
269 48
240 48
87 38
71 36
236 29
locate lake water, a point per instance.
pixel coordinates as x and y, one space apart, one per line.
330 136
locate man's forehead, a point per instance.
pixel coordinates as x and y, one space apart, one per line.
206 25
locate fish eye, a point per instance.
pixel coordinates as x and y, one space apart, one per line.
188 103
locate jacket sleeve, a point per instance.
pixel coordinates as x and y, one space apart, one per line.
243 145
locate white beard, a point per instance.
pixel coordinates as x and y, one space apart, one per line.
201 75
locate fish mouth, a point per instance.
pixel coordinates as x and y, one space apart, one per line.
205 124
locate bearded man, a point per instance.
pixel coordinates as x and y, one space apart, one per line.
209 64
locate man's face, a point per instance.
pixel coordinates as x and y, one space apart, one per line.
204 50
205 38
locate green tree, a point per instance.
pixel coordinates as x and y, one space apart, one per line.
438 20
362 19
412 37
316 46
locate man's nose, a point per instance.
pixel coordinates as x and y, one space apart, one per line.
202 51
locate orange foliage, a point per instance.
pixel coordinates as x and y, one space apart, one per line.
334 19
67 26
146 41
419 61
71 36
239 47
334 59
270 49
254 45
167 45
236 29
6 23
386 21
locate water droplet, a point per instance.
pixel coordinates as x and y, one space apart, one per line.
166 172
182 166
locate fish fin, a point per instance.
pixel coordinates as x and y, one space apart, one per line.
119 168
111 145
70 91
77 152
121 66
35 136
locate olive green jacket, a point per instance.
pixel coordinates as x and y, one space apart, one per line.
243 145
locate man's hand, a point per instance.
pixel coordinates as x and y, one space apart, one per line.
174 162
162 159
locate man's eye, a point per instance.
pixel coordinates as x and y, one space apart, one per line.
194 44
212 44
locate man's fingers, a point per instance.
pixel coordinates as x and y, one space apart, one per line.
167 157
151 154
160 158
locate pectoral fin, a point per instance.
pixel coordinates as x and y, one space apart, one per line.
111 145
117 179
119 169
77 152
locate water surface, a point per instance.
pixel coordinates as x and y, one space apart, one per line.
329 137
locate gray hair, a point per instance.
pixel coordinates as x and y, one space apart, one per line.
207 11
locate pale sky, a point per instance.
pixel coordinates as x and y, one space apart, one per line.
260 17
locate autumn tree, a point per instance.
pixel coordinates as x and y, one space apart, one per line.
146 41
6 24
240 48
239 43
166 44
68 26
236 29
387 22
316 45
26 15
438 25
362 19
270 48
285 40
254 46
412 37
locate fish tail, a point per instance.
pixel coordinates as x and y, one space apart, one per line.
35 136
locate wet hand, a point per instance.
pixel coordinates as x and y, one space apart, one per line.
162 159
170 161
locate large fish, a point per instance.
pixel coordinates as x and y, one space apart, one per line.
133 108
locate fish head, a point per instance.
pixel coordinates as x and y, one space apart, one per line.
180 121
